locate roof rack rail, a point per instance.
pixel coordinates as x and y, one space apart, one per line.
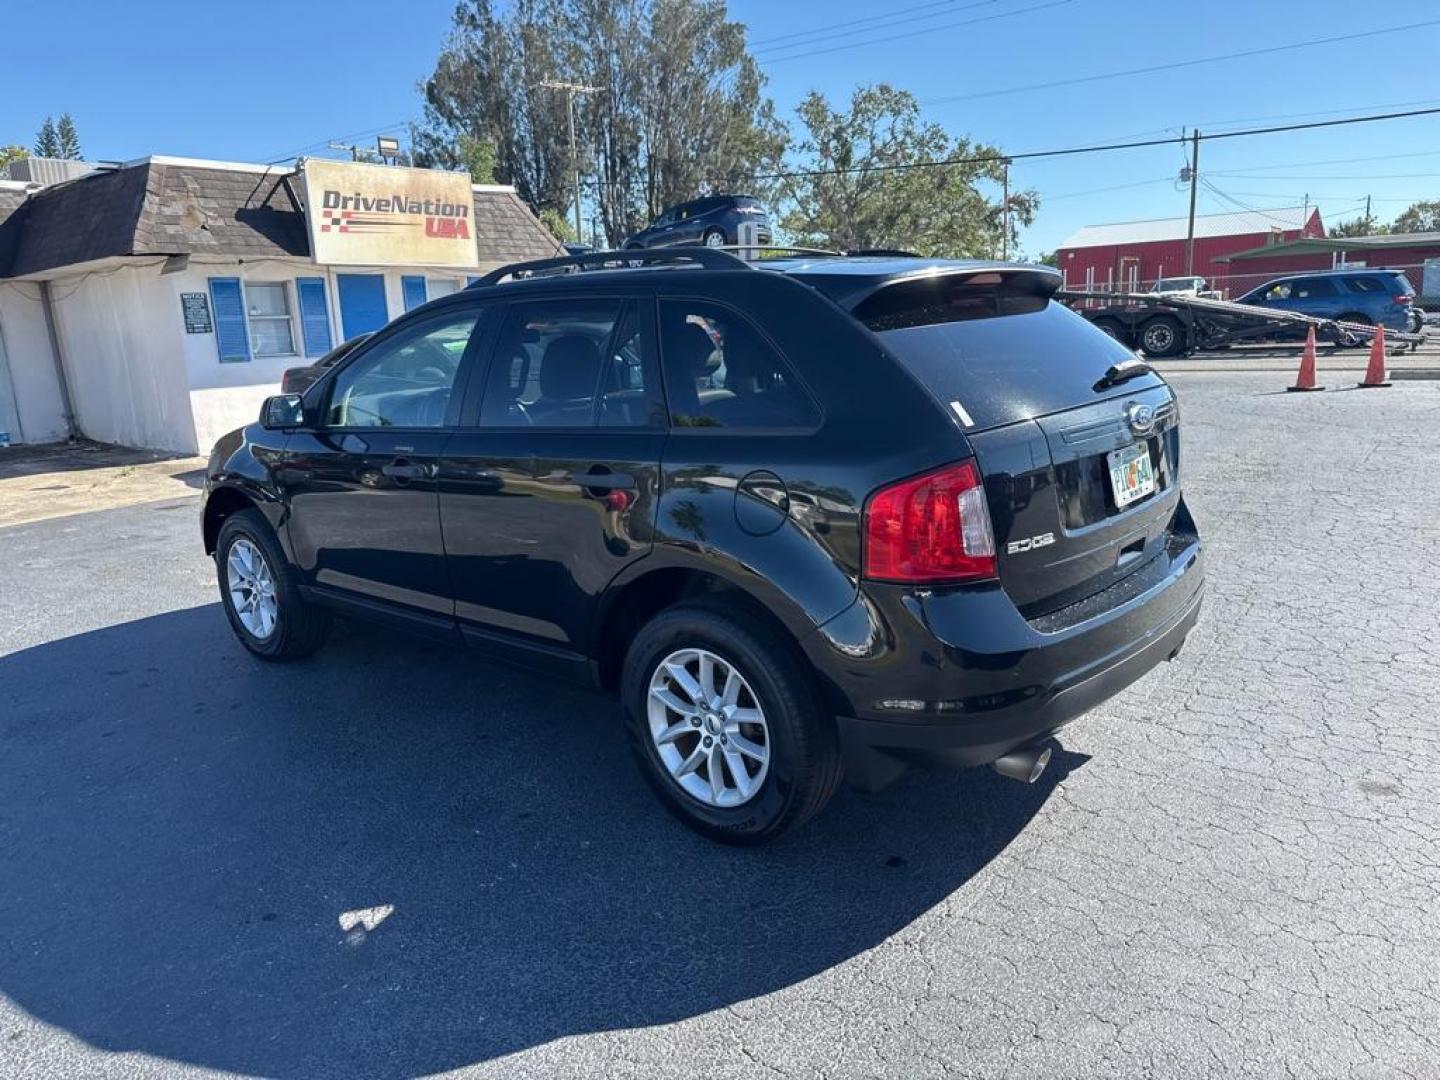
708 258
779 247
894 253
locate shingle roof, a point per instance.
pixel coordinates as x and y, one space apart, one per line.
164 207
507 231
1241 223
11 199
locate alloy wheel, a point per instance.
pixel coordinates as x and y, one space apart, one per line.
708 728
1159 338
252 589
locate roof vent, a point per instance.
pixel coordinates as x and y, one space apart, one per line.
47 171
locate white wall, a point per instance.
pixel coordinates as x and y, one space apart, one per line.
120 334
136 377
225 396
37 401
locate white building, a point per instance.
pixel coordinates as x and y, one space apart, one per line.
157 303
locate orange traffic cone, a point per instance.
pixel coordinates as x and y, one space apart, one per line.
1305 380
1375 373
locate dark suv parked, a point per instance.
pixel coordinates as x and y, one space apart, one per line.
713 221
826 518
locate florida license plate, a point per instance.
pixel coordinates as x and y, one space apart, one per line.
1131 475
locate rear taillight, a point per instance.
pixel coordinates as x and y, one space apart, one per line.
933 529
1403 298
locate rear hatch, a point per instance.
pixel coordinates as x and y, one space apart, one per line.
751 211
1081 471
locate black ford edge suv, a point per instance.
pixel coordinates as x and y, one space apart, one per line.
812 518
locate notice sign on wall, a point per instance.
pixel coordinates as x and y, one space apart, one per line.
379 215
195 306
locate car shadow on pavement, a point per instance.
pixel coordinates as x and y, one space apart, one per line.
394 859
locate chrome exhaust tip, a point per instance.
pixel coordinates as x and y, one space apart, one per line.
1025 764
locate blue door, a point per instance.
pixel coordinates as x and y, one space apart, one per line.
362 303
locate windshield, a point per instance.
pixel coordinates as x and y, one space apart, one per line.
1172 283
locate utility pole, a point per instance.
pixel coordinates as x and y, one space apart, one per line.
1005 213
571 89
1194 184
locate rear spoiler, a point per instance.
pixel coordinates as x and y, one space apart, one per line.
1016 279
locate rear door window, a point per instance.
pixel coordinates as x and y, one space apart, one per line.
721 372
1313 289
572 363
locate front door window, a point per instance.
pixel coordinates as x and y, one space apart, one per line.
405 381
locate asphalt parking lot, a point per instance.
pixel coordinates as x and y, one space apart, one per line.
392 859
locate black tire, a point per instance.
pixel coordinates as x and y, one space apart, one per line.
805 766
1347 340
713 238
1162 336
300 627
1111 328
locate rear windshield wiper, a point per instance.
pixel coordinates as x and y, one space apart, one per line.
1124 371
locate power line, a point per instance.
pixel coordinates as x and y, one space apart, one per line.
881 22
321 144
1361 176
1221 124
887 18
1106 190
1331 161
1152 69
926 30
984 159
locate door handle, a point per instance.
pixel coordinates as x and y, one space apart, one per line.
604 481
400 469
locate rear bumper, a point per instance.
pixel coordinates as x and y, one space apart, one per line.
960 678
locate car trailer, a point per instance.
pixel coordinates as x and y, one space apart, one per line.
1177 325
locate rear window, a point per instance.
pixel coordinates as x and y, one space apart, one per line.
1394 284
1364 284
1000 356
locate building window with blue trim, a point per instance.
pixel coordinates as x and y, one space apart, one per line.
267 309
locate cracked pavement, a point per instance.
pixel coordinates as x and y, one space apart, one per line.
1231 870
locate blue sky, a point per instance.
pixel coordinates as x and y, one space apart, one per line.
265 80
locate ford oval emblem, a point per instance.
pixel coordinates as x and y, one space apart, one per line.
1141 418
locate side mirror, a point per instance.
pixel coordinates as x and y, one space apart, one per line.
282 411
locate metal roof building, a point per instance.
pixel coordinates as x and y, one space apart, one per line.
1132 255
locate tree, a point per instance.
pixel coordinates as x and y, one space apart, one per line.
1420 217
11 153
558 224
47 141
856 184
478 157
68 139
1362 225
678 108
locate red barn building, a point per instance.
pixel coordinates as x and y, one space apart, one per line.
1133 255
